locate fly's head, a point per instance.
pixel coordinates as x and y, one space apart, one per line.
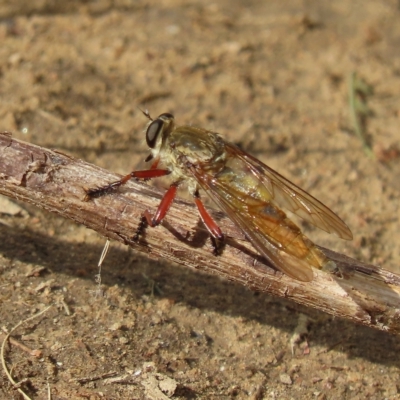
157 132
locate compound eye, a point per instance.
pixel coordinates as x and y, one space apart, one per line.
166 115
153 131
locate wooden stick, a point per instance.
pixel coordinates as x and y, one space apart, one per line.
54 181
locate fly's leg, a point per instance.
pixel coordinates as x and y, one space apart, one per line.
217 237
218 245
156 219
138 175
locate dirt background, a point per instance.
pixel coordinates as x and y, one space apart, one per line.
271 76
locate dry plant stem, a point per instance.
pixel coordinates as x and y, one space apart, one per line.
34 353
3 363
51 180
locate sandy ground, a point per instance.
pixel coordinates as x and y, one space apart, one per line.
271 76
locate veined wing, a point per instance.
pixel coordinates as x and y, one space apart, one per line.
277 239
286 194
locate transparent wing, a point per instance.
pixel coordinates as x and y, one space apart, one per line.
263 229
286 194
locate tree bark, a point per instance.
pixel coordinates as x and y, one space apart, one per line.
56 182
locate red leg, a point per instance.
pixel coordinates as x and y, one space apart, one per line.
148 220
146 174
163 208
155 163
211 225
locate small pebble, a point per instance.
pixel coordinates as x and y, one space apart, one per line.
286 379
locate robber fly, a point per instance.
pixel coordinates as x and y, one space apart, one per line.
243 187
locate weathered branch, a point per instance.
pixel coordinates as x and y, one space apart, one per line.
55 182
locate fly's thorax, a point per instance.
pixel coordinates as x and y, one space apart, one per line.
189 147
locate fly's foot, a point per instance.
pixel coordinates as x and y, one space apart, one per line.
143 224
93 193
218 245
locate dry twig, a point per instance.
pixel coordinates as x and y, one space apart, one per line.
362 293
3 362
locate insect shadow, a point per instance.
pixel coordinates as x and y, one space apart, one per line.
201 236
